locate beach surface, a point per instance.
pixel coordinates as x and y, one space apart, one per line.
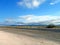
12 36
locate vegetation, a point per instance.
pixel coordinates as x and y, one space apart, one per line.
51 26
32 27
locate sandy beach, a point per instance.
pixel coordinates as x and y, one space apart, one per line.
28 37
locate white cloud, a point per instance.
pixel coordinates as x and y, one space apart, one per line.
54 2
34 18
9 20
45 19
31 3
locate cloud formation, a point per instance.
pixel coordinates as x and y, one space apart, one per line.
34 18
44 19
10 20
35 3
31 3
54 2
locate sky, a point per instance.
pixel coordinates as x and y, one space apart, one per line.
29 10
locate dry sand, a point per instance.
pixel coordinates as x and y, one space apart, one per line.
29 37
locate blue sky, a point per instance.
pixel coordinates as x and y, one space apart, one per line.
29 10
